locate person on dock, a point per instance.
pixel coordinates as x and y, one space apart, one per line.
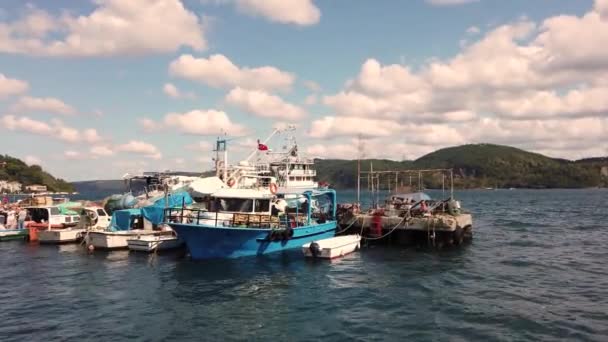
11 220
423 207
21 215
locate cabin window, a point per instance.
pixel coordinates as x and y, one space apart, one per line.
55 211
233 204
38 214
262 205
101 212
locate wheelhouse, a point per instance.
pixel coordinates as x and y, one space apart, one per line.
243 208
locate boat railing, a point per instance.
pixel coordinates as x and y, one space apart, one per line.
197 216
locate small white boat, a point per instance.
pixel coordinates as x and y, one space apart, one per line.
60 235
151 243
13 234
331 248
115 240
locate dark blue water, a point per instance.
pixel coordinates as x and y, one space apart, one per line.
536 270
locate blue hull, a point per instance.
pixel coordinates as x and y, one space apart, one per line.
207 242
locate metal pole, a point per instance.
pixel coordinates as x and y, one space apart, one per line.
371 170
396 181
225 162
451 183
359 181
378 190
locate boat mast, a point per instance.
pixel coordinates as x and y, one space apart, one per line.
359 156
452 183
371 173
359 181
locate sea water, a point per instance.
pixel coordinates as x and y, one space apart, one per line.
537 269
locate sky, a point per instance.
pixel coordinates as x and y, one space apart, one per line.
96 89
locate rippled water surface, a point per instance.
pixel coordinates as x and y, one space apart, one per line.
536 270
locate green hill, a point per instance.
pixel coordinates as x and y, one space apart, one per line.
475 166
13 169
481 165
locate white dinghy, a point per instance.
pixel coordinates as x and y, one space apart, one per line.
331 248
152 243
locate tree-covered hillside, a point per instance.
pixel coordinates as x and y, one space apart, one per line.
13 169
480 165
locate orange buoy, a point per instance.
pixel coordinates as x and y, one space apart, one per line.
273 188
33 231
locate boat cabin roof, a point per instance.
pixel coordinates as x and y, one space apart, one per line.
243 193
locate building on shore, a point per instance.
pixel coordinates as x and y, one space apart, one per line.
36 188
10 187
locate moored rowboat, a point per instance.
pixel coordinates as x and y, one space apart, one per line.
151 243
13 234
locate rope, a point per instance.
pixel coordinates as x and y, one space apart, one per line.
351 224
387 234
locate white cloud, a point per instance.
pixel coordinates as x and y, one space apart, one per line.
204 122
263 104
56 129
90 135
115 27
601 7
473 30
11 86
201 146
28 104
73 155
332 127
449 2
312 86
149 125
26 124
101 151
140 147
219 72
66 133
171 90
311 99
518 71
298 12
374 148
535 86
32 160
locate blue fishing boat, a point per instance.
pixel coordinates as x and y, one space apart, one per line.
235 223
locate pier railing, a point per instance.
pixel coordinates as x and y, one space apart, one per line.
198 216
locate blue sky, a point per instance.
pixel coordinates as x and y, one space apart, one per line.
413 75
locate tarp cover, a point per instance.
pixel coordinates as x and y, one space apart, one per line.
175 199
69 208
153 214
416 196
121 219
206 186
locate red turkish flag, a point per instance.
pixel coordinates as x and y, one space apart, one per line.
262 147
